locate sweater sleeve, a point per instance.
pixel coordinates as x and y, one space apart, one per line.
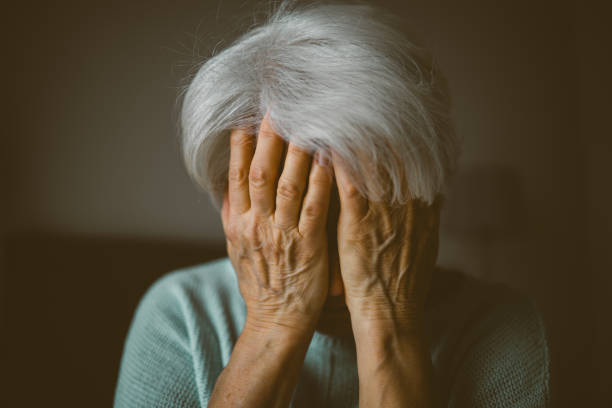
156 366
506 363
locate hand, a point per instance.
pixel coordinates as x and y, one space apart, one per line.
387 254
276 243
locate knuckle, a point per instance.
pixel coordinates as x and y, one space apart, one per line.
232 233
284 226
237 174
313 210
249 232
288 191
258 176
351 192
280 237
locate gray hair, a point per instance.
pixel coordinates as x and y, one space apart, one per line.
341 77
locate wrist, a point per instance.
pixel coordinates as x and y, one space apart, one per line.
385 349
290 320
370 318
387 340
397 362
276 333
387 331
263 368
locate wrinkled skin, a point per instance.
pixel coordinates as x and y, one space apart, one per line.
277 246
317 255
387 254
295 260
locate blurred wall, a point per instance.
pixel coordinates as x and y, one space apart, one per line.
594 37
8 130
94 150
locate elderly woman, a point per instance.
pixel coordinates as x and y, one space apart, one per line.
324 138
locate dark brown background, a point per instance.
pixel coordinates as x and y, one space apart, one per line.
95 204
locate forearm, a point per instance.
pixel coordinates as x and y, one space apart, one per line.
263 369
394 368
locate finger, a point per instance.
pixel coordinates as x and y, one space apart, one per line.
313 217
264 168
352 203
242 146
291 186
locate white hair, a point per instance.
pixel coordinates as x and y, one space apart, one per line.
341 77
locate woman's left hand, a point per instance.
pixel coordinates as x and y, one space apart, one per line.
387 255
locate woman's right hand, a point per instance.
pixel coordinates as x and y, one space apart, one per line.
277 243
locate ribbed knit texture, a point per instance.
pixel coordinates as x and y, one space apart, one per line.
488 345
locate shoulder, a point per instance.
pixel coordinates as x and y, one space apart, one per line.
211 279
197 300
180 337
499 353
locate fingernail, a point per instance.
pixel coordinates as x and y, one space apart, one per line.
321 159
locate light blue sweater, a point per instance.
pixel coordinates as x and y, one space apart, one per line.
488 345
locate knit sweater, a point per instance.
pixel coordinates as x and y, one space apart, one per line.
487 342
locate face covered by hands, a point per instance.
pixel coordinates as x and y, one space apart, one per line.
306 242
